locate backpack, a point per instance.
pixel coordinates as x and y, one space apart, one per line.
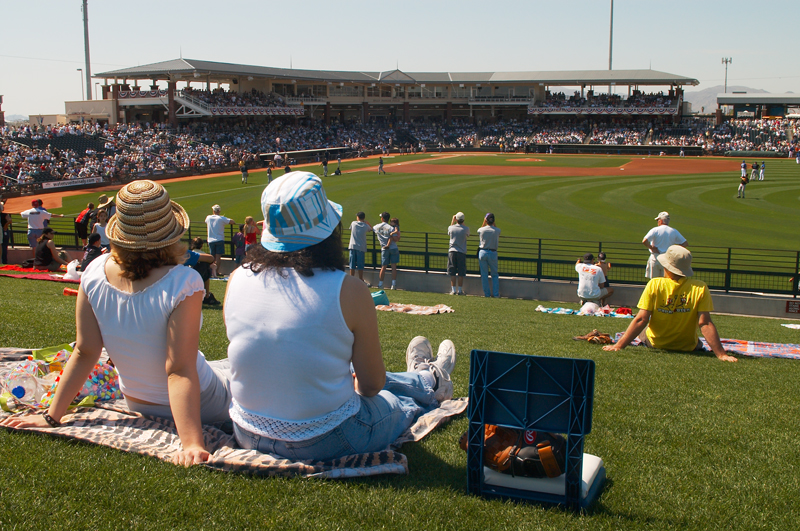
525 453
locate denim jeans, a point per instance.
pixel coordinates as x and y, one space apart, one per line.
488 261
381 420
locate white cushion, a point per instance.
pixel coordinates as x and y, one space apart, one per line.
591 466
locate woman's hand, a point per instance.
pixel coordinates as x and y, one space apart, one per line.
27 421
191 456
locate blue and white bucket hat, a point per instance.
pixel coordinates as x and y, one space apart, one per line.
297 213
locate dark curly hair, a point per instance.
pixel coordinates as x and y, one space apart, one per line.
326 255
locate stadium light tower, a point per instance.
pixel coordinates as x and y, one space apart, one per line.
610 34
726 61
83 95
86 46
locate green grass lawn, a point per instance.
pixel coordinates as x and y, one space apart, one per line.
689 442
704 207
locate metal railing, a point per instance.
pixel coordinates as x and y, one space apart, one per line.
722 268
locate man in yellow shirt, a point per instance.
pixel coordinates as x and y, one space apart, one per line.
671 309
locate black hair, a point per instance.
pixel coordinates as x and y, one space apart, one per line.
385 216
360 215
326 255
94 238
601 256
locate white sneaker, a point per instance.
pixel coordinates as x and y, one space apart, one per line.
418 354
393 285
441 368
452 292
368 284
446 357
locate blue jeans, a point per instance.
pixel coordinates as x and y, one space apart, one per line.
381 420
488 261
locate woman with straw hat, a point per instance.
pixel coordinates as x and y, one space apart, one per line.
293 391
145 308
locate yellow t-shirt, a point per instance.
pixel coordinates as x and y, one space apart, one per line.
674 307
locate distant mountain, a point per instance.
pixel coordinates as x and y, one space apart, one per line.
16 118
708 97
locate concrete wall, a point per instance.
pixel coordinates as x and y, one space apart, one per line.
759 305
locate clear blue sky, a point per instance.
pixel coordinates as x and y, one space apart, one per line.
43 39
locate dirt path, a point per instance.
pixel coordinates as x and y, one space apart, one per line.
637 166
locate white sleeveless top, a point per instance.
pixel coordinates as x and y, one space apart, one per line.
290 352
134 328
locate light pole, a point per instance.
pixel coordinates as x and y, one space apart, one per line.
83 95
726 61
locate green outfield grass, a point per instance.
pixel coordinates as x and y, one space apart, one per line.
689 442
704 207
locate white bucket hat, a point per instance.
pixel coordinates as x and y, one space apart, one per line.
297 213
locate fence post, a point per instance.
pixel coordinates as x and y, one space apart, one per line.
796 280
539 261
75 234
427 256
728 272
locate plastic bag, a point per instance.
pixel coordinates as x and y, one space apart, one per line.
72 271
380 297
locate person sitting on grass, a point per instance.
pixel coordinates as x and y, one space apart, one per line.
146 310
294 392
672 307
91 251
591 280
45 254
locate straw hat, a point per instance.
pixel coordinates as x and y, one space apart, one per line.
146 219
103 201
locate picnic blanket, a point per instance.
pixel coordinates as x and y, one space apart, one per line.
414 309
755 349
20 269
42 276
568 311
111 424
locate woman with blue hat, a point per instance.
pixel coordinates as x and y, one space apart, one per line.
309 382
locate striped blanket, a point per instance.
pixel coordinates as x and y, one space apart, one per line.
756 349
111 424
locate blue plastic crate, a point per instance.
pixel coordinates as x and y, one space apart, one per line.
532 393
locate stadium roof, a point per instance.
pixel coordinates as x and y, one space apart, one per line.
186 69
758 99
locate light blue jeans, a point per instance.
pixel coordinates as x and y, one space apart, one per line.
488 261
381 420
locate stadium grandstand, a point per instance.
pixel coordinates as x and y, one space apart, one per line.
185 116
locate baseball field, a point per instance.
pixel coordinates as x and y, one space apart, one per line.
573 197
689 442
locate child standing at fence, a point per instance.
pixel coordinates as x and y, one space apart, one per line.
100 228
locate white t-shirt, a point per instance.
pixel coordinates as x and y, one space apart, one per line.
383 230
358 236
589 279
663 236
101 230
216 227
35 217
134 328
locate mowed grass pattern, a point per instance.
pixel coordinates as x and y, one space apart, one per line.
689 442
704 207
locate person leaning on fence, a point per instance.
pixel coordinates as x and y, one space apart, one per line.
7 234
672 307
358 245
457 253
82 223
37 218
154 343
390 254
216 234
489 235
657 240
